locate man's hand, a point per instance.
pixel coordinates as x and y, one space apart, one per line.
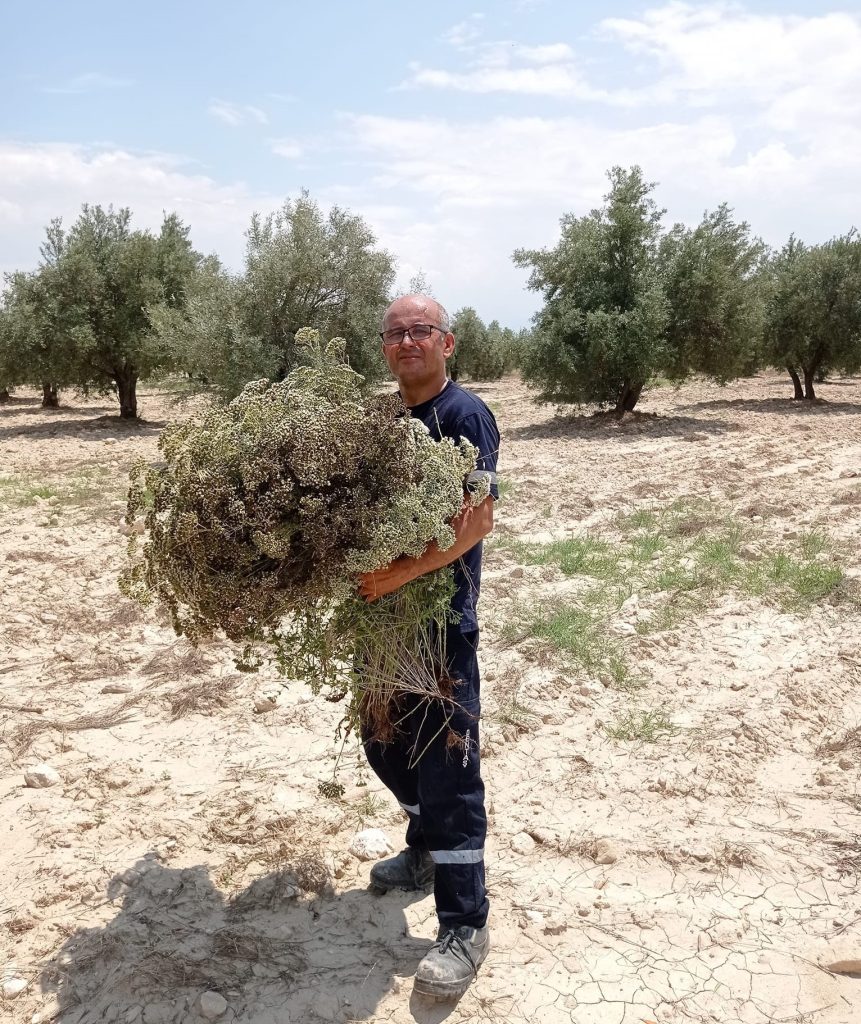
390 578
470 526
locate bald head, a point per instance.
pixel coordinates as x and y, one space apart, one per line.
423 308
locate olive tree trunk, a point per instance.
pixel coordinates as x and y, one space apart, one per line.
4 396
796 382
126 382
50 398
628 397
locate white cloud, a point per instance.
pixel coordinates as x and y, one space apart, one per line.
552 53
90 81
39 182
551 80
290 149
501 65
237 114
465 33
794 72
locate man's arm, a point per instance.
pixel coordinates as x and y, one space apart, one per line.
470 526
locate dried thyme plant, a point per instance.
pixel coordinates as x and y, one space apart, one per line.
264 513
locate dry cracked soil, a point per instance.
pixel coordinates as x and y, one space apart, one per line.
671 651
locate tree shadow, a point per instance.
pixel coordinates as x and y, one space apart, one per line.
67 420
606 426
780 406
277 951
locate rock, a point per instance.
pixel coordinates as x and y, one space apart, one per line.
116 688
846 763
606 852
737 684
534 917
523 843
41 777
516 573
13 987
212 1005
264 704
623 628
371 844
750 552
49 617
630 606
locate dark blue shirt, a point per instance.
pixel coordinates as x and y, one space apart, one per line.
456 413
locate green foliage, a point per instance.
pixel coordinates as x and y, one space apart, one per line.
268 509
302 268
626 304
79 320
712 284
575 556
483 352
813 312
600 334
647 726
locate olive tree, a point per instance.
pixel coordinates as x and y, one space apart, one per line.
602 330
812 319
303 268
712 285
79 320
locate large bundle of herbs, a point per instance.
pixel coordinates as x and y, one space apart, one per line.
264 513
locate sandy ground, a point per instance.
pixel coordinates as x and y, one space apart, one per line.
707 875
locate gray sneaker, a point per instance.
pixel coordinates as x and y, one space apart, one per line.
452 963
412 869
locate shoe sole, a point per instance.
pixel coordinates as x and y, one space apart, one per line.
439 991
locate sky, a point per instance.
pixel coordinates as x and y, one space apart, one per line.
458 131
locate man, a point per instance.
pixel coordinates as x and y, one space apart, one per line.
438 785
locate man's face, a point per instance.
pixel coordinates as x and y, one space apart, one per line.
415 362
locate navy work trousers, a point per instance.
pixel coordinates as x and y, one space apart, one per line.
438 783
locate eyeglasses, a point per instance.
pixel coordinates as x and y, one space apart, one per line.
418 332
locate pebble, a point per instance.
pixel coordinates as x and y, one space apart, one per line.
606 852
48 617
212 1005
533 917
523 843
13 988
516 573
41 777
630 605
117 688
846 763
555 926
371 844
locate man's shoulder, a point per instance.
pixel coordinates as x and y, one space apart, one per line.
466 403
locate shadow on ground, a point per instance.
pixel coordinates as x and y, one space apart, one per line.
67 420
780 406
275 955
631 427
